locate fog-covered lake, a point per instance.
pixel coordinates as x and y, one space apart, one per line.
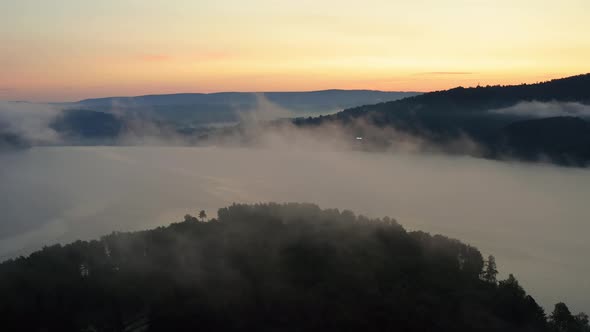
535 219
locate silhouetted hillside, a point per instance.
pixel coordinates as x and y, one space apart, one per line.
461 100
560 139
446 115
266 267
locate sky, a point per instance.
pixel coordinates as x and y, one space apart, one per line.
67 50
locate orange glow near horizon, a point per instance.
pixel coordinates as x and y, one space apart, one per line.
67 50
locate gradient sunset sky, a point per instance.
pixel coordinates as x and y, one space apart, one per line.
65 50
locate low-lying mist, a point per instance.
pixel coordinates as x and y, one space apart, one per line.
29 120
533 218
536 109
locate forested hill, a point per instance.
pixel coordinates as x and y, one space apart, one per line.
269 267
473 100
484 113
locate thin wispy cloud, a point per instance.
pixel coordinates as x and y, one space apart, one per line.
442 73
546 109
212 56
154 58
29 120
205 56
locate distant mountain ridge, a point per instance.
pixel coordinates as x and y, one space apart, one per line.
204 108
343 96
105 120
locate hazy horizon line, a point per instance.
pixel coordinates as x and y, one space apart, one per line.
207 93
280 91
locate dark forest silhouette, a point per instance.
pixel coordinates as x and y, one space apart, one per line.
289 267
